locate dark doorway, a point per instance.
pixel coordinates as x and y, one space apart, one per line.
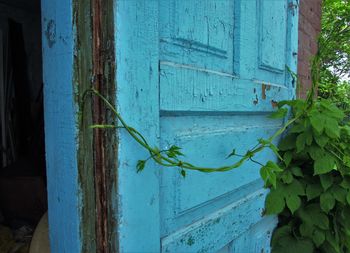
22 157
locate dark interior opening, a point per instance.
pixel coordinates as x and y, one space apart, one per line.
22 150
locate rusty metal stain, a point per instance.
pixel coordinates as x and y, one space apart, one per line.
263 91
274 103
99 159
104 153
94 64
264 88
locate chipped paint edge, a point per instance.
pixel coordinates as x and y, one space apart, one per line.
94 232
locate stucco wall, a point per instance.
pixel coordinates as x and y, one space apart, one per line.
309 28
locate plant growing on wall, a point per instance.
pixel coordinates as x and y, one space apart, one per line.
173 157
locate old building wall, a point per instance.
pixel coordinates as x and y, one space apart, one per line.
309 29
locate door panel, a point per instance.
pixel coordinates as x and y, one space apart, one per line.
218 229
192 32
221 70
191 89
273 31
205 140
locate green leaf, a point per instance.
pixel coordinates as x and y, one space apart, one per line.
287 177
327 201
287 143
312 215
321 220
268 176
289 244
287 158
348 197
297 128
273 166
332 128
317 122
293 202
183 173
316 152
295 188
345 217
333 242
324 165
307 229
268 173
279 114
289 102
318 237
274 203
313 191
174 151
332 110
308 137
300 142
326 181
140 165
345 183
339 193
279 233
345 130
328 248
297 171
321 140
346 160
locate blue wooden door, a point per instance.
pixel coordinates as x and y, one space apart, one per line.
203 75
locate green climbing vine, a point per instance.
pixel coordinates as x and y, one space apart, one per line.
172 157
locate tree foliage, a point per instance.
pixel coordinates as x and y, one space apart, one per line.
334 52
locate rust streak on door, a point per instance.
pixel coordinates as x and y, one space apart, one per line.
99 152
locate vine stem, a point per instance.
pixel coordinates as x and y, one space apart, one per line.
166 161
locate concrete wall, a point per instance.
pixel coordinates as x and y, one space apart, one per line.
309 28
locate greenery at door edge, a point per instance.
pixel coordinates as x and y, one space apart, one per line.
312 190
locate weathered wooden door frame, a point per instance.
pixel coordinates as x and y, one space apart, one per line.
78 53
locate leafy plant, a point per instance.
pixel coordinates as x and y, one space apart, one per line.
312 190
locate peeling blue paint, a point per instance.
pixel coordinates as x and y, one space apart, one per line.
60 127
50 33
210 72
